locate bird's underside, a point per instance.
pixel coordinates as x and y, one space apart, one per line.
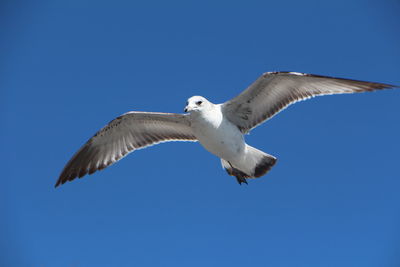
269 94
261 168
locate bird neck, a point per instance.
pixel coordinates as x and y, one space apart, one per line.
211 116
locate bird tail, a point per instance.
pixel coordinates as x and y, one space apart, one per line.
254 164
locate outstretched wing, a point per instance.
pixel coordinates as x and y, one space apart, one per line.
131 131
274 91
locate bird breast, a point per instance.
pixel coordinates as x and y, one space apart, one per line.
217 134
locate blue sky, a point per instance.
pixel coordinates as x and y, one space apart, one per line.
69 67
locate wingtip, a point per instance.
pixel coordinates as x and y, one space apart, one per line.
383 85
58 183
393 86
62 179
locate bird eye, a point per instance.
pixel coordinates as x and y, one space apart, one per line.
199 103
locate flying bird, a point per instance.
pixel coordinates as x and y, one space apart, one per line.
220 128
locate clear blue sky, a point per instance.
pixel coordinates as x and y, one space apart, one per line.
69 67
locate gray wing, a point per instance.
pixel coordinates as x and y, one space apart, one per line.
274 91
131 131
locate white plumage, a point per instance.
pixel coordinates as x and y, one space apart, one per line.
218 127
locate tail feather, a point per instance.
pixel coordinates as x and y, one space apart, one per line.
264 165
255 164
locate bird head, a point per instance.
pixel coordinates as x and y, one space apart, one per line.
196 104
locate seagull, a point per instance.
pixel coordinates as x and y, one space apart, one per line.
220 128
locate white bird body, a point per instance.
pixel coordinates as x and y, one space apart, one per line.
219 128
217 135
